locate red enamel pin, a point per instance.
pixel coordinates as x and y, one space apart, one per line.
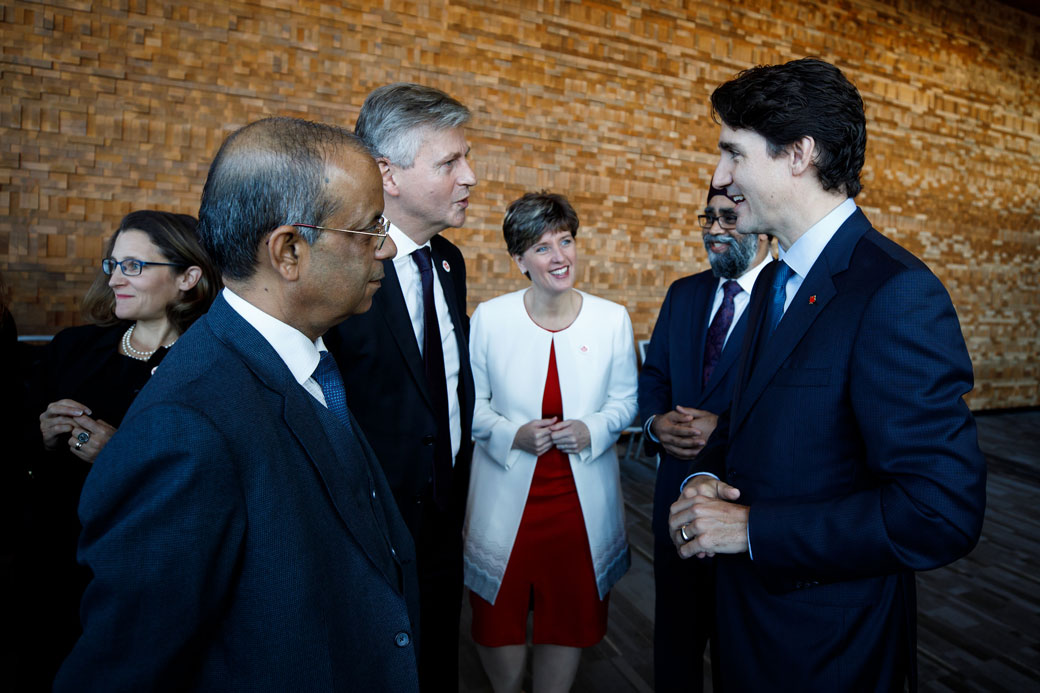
812 299
447 267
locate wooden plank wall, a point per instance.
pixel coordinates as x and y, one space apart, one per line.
116 105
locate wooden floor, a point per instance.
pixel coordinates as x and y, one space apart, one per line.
978 619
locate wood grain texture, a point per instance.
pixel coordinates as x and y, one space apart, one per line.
116 105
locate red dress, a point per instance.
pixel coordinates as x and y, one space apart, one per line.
550 567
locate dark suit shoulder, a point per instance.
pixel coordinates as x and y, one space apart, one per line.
875 245
694 281
876 260
442 245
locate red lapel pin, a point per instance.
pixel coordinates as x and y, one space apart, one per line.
812 299
445 265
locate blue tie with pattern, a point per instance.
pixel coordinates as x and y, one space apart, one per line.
779 296
331 382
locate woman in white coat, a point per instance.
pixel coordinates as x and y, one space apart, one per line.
555 377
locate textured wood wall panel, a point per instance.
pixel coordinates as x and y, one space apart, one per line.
116 105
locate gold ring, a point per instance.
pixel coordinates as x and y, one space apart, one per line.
682 531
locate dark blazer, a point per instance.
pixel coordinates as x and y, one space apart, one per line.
241 537
671 376
385 380
849 439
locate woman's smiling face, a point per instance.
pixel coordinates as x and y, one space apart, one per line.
551 262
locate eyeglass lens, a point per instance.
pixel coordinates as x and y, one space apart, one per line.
130 268
726 221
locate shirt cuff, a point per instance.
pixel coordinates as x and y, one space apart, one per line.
647 432
687 479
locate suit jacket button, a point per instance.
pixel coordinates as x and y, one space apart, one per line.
427 440
402 639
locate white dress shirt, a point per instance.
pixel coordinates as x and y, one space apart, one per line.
299 353
411 287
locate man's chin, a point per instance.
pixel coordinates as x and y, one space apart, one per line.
362 306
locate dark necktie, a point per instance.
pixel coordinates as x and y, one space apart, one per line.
778 296
433 358
328 377
716 338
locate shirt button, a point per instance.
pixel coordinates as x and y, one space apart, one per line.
373 493
402 639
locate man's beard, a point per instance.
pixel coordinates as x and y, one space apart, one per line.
736 260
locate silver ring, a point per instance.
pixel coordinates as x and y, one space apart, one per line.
79 445
83 437
682 531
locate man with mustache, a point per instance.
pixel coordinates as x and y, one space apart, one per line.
686 380
406 363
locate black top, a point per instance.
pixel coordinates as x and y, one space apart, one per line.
82 364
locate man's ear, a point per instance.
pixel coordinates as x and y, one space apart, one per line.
802 154
386 170
286 250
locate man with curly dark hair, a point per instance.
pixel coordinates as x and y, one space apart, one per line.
848 458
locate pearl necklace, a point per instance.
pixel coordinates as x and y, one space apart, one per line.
134 353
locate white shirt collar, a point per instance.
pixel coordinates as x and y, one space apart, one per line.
804 252
298 352
405 245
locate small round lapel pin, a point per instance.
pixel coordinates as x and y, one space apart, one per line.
812 299
445 265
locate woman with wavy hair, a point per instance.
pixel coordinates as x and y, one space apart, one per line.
154 281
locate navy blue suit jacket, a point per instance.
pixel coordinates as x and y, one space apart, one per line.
672 372
849 439
241 537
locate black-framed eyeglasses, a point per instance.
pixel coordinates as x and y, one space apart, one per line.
727 222
382 224
131 267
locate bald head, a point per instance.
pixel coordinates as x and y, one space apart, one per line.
270 173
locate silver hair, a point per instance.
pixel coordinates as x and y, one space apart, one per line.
394 117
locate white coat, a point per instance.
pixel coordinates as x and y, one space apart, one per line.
509 354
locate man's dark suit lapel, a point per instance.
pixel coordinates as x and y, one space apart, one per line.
699 310
812 298
452 299
458 319
337 455
346 470
390 303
